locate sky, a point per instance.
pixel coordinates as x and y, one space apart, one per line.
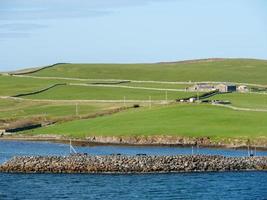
38 33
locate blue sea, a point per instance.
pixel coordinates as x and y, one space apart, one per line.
222 185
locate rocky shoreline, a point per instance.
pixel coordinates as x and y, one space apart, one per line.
78 163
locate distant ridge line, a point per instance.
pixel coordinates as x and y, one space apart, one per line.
207 60
35 69
194 60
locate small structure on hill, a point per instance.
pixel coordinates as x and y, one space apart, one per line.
242 88
202 87
2 132
192 100
223 87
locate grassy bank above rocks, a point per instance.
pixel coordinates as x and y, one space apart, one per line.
185 120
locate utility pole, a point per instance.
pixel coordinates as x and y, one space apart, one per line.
166 96
77 112
45 116
149 102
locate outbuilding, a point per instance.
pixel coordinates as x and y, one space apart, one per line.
192 100
2 132
223 87
242 88
202 87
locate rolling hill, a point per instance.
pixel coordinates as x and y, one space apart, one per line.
100 87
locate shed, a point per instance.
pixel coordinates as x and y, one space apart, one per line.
242 88
2 132
203 87
191 100
223 87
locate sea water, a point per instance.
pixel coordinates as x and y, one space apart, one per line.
213 185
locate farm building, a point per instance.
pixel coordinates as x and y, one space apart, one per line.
205 87
226 87
202 87
2 132
191 100
242 88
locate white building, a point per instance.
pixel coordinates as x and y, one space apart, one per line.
242 88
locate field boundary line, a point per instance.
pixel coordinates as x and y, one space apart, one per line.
40 91
240 108
33 70
87 100
140 81
129 87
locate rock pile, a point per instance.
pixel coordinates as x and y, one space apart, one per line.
131 164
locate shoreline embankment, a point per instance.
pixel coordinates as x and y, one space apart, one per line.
78 163
173 141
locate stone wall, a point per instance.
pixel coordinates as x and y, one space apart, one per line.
131 164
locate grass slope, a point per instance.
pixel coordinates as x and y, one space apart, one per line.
106 93
180 120
11 85
244 100
13 110
158 85
230 70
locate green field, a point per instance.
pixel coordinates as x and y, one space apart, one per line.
244 100
183 119
11 85
229 70
17 109
106 93
180 120
158 85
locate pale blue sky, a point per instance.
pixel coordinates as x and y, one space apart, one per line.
37 32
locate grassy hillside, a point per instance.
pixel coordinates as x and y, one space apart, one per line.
180 120
230 70
16 109
11 85
244 100
158 85
106 93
